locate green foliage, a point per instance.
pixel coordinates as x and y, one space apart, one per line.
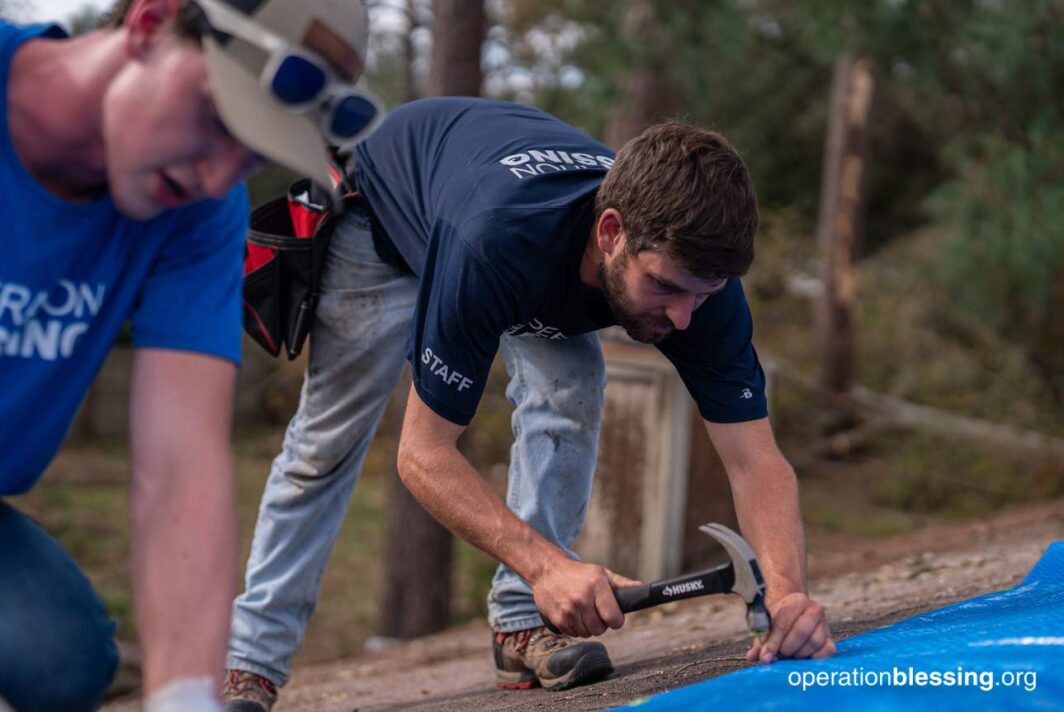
1005 220
964 136
1003 206
759 72
84 19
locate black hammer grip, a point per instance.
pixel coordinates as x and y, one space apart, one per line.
636 598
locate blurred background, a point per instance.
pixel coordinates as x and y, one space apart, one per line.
908 291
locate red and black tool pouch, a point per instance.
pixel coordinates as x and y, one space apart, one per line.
287 243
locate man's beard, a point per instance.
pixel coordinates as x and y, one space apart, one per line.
644 329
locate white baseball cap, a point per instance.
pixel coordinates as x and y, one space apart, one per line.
246 36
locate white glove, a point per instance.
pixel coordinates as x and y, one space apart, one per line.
184 695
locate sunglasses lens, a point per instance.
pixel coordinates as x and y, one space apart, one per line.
351 115
297 80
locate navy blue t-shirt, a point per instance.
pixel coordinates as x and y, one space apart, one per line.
491 205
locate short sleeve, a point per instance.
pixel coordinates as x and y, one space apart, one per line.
191 300
716 359
462 309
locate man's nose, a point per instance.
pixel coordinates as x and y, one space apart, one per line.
679 312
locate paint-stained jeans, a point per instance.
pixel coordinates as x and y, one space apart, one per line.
357 348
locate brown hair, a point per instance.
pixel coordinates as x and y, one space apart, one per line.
686 189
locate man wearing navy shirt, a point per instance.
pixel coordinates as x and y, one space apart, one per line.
122 153
490 228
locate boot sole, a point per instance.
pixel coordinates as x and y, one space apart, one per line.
526 685
590 668
516 680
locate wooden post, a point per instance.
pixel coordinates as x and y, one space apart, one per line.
840 224
635 518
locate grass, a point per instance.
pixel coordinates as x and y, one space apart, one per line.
866 522
926 474
83 502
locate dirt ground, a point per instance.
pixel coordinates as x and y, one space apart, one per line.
864 586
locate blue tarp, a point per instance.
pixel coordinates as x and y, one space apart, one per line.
1002 651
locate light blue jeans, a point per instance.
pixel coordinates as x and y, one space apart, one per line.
356 354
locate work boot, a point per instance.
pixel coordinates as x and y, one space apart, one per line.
247 692
555 661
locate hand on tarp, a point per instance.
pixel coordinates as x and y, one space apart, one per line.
799 630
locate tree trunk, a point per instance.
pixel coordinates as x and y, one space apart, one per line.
647 93
1048 355
839 227
416 599
410 87
457 36
417 593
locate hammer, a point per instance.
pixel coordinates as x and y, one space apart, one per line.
742 577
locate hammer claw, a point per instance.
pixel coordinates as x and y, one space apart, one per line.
749 583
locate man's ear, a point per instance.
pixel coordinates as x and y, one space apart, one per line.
144 22
609 231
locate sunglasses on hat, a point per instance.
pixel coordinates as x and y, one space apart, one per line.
298 80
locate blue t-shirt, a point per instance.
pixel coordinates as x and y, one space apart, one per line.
71 274
491 205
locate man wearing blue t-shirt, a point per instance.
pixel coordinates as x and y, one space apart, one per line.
121 156
490 227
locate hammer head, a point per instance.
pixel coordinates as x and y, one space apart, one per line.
748 580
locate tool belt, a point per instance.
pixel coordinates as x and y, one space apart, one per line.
287 242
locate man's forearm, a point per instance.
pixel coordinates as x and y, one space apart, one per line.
448 487
765 490
766 502
577 597
184 513
184 558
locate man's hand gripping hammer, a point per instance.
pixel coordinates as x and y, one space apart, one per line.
742 577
